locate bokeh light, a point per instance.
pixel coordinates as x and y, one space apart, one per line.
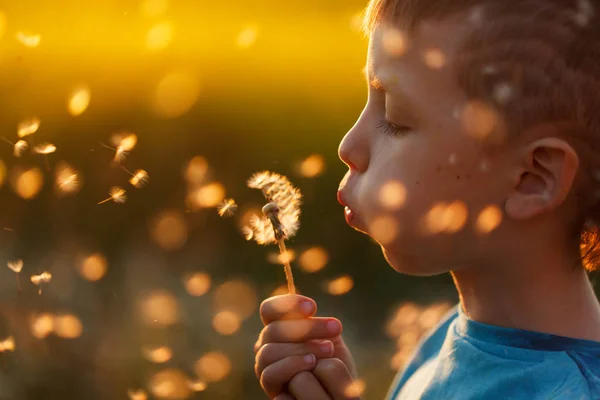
313 260
153 8
281 258
488 219
42 325
176 94
196 170
67 326
392 195
226 323
169 384
236 296
394 42
384 229
159 36
79 100
340 285
479 120
158 355
213 366
169 230
93 267
197 284
29 39
27 183
247 37
159 308
137 394
207 196
434 58
312 166
355 389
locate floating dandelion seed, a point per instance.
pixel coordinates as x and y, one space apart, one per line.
16 266
29 40
7 344
20 147
280 215
227 208
67 179
41 279
44 148
28 127
116 194
139 178
124 142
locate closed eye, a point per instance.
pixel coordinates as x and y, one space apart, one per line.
394 130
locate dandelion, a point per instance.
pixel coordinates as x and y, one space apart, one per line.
116 194
28 127
139 178
16 266
227 208
41 279
280 214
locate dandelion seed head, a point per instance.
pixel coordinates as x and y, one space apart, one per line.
16 265
28 127
277 189
20 148
227 208
140 178
44 148
124 140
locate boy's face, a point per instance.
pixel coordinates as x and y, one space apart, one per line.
418 145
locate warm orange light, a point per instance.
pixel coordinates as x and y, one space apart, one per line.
226 323
213 366
313 259
93 267
169 230
159 308
197 284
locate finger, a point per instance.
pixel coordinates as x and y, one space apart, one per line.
305 386
288 331
336 379
287 306
275 377
284 396
273 352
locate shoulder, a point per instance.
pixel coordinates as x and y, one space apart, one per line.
428 348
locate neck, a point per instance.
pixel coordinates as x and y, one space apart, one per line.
542 293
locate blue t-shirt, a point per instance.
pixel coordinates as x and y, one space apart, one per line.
467 360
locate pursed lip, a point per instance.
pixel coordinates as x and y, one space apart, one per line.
349 213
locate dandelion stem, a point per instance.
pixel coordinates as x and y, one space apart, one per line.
105 200
271 210
126 170
286 265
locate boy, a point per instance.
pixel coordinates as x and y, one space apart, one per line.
485 114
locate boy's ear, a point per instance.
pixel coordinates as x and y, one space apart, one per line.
548 170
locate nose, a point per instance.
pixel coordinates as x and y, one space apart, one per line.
354 147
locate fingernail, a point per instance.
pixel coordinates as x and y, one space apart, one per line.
326 346
309 359
306 307
333 327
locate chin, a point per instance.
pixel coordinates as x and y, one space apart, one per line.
409 265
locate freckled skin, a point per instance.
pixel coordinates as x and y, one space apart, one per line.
430 159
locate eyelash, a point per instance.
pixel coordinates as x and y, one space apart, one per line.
391 129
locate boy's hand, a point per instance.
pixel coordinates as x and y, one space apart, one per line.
293 343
